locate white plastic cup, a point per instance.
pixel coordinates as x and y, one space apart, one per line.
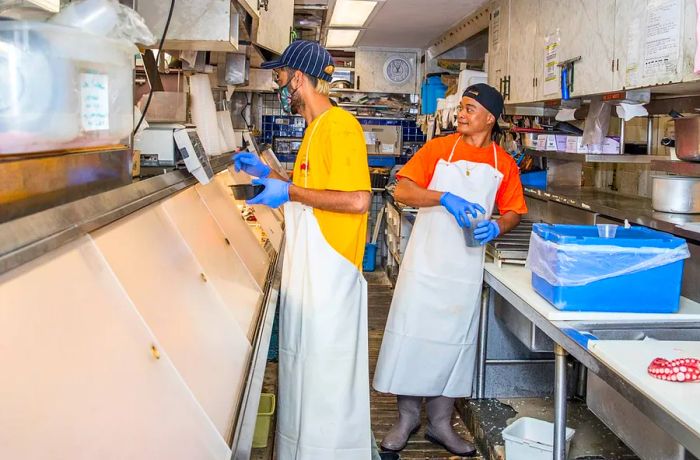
469 238
607 230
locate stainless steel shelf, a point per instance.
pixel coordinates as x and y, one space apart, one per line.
594 158
683 168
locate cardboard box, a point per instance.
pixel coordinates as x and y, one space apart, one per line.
574 144
610 146
541 142
551 143
561 142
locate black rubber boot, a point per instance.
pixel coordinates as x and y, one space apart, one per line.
440 430
408 423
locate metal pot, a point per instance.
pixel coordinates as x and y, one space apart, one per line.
688 138
677 194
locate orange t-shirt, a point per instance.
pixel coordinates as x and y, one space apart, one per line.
421 167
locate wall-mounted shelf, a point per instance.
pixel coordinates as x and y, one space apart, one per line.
683 168
595 158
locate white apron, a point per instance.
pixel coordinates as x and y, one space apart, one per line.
323 362
429 345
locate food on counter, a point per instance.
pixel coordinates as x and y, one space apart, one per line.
677 370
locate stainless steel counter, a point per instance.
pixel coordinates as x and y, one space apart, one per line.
636 210
571 337
28 238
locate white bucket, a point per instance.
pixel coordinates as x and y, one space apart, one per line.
532 439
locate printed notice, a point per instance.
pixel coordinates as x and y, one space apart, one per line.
551 64
370 138
496 29
663 37
94 101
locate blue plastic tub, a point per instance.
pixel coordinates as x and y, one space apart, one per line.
432 89
655 290
369 259
537 179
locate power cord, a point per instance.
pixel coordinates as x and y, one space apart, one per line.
160 50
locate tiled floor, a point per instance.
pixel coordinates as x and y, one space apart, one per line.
383 406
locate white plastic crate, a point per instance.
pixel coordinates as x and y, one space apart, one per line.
532 439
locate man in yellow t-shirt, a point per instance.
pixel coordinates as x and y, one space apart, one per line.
323 396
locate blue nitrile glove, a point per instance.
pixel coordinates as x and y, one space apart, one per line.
275 194
459 208
486 231
250 163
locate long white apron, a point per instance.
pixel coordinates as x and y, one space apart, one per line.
429 345
323 364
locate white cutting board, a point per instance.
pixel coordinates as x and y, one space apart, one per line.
518 279
630 359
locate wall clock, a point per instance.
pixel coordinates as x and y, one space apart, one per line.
397 70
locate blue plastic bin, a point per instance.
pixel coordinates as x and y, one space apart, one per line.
537 179
656 290
369 259
432 89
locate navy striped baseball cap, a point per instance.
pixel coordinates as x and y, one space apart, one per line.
307 56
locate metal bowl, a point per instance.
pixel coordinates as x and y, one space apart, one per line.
678 194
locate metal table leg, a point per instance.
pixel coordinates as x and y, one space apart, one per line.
483 335
559 403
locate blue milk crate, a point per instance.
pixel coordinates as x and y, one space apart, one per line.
655 290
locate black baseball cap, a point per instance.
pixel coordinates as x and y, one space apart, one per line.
489 98
307 56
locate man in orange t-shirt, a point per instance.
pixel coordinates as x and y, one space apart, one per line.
429 345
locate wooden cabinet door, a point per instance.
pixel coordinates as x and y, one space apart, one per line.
522 47
586 29
275 24
498 42
629 42
689 42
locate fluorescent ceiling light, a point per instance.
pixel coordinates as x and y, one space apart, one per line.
351 13
341 38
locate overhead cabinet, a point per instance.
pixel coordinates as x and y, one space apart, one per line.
273 29
202 25
654 42
622 44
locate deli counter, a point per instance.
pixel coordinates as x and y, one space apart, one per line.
136 321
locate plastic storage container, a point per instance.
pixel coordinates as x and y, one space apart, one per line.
262 425
369 259
532 439
431 91
62 88
537 179
638 270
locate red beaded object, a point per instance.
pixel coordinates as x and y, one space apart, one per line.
677 370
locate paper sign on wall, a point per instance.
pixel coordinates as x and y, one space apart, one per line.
663 37
94 101
551 62
496 29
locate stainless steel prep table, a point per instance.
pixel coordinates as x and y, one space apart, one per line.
637 210
569 336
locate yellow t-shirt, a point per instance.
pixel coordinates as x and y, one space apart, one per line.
337 160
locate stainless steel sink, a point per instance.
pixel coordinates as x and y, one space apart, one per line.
639 331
